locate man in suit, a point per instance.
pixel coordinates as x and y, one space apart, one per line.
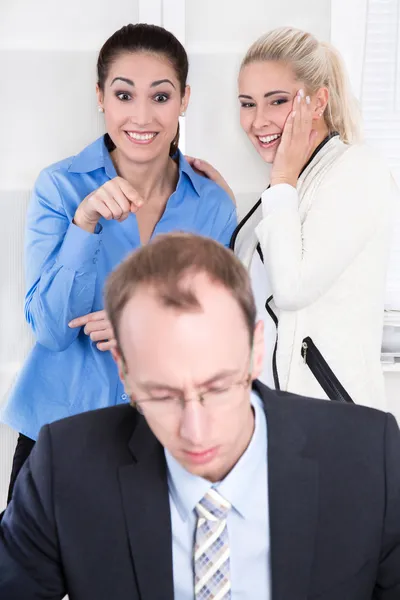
212 486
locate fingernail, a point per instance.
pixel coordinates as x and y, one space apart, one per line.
301 93
308 99
293 114
299 99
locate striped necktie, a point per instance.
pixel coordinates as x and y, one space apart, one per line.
211 551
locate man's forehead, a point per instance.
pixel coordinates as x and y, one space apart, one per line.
208 294
147 310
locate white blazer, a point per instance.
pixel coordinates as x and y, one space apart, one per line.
325 249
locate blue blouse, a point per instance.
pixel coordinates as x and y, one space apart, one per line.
66 268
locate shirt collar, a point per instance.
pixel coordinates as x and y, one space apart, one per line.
96 156
195 179
187 489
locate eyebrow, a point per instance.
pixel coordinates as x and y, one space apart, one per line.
267 95
130 82
152 385
124 79
160 81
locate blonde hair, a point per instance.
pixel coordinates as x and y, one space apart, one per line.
317 64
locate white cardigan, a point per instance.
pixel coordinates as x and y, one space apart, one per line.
325 246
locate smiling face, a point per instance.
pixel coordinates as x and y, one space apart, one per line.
266 93
142 101
170 353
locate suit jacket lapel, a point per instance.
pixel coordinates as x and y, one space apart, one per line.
293 508
293 503
144 489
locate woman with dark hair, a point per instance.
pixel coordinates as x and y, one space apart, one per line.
89 211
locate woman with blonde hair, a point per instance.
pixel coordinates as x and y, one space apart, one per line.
316 242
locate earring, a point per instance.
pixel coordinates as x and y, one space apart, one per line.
100 109
183 113
321 113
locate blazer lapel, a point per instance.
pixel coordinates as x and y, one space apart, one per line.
144 489
293 503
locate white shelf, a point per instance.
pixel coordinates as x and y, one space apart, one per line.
391 341
392 318
391 367
390 362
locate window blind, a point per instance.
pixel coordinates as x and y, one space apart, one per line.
380 102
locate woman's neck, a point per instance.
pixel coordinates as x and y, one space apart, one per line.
153 179
322 133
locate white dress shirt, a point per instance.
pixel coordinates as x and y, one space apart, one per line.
246 488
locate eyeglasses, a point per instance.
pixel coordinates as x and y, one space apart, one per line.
210 399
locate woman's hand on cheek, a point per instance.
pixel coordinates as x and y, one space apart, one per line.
296 143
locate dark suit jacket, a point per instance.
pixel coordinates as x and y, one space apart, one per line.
91 516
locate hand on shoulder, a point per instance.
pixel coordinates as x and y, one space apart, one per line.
204 168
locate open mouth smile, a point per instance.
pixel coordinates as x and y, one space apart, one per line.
268 141
137 137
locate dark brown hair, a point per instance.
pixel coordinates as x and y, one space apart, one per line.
145 38
165 262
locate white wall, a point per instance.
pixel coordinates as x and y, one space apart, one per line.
48 111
